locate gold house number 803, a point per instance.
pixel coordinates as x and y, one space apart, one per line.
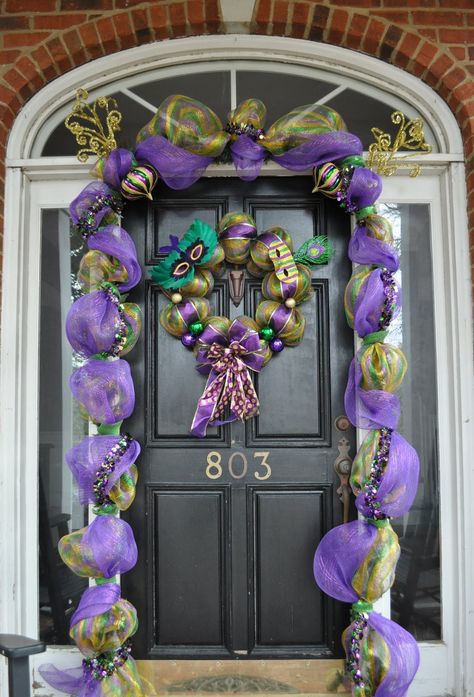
214 466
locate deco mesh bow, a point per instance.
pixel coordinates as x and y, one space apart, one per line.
354 563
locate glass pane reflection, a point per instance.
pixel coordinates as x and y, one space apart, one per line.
416 594
60 425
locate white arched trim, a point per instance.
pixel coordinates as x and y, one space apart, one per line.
25 196
333 60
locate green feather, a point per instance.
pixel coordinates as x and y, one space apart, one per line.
161 273
199 230
317 250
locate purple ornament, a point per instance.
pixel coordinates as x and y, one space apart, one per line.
276 345
188 340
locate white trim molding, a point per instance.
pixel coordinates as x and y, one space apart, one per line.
36 183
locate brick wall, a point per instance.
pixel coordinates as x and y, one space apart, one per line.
432 39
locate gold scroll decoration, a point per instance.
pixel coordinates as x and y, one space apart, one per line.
410 136
94 125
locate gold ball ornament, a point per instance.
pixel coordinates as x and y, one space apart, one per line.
290 302
176 298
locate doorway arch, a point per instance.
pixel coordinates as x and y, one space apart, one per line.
19 363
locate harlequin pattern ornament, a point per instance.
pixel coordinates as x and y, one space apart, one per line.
327 179
140 181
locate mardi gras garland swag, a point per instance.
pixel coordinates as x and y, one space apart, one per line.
354 562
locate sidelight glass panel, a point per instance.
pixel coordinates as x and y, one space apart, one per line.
416 594
60 425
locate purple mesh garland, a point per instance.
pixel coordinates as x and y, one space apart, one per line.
397 489
320 149
70 681
338 556
105 389
95 601
404 656
84 459
369 409
370 302
364 189
110 544
177 167
86 198
91 323
248 157
364 249
116 242
116 166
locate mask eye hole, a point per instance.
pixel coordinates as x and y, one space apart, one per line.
196 252
181 269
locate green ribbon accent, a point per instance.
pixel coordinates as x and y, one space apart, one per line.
364 212
106 509
374 338
362 606
109 429
379 523
353 161
104 581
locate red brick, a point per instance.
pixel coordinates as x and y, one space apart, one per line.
196 15
141 24
470 19
106 31
213 16
430 34
406 50
390 42
319 23
356 31
15 22
59 53
91 41
425 57
178 19
337 26
393 16
75 47
456 36
9 97
60 21
45 62
408 3
159 21
31 6
16 80
262 12
438 69
124 30
461 4
358 3
280 16
125 4
436 18
459 52
27 68
465 117
87 5
23 39
299 20
374 36
7 57
454 78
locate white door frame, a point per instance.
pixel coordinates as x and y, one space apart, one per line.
25 197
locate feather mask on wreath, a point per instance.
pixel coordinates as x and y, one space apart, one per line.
196 248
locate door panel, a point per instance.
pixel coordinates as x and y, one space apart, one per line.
228 524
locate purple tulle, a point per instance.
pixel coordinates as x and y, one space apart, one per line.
338 556
325 147
369 409
404 656
110 544
397 490
105 389
85 457
69 681
364 249
116 242
364 189
177 167
95 601
248 157
370 301
86 199
116 166
91 323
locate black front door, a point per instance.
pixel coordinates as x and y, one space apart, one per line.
228 525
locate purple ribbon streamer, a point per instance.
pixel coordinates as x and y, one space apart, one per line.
322 148
116 166
95 601
227 362
248 157
177 167
369 409
404 656
364 189
364 249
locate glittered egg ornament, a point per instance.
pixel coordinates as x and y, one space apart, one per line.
139 181
327 179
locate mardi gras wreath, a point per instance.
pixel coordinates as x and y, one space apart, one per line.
355 562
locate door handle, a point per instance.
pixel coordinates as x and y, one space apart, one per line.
343 467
